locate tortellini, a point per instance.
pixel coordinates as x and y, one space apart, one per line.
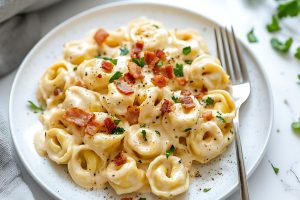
168 177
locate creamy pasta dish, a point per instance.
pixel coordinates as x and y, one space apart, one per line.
134 108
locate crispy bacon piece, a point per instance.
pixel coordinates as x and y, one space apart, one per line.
207 115
57 91
133 113
137 49
159 81
151 59
99 76
160 54
135 70
167 71
128 78
100 36
166 106
107 66
199 95
181 81
78 117
123 87
109 124
187 102
94 127
185 93
120 159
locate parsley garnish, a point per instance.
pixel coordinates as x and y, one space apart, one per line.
113 61
175 99
187 129
97 56
289 8
142 198
276 170
186 50
160 63
170 151
188 61
74 69
139 61
178 70
144 135
116 76
124 51
280 46
296 125
206 189
117 121
35 108
208 101
155 26
142 125
297 54
251 36
219 116
274 26
157 132
118 131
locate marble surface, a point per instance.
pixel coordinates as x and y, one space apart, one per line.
281 70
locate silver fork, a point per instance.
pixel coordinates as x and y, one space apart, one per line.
231 60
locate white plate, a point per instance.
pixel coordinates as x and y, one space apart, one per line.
220 175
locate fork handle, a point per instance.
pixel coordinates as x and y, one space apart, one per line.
240 160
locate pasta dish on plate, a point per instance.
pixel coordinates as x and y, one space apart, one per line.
134 108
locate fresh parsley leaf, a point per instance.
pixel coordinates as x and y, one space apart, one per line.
74 69
297 54
188 62
274 26
186 50
275 169
142 198
170 151
208 101
251 36
219 116
289 8
144 135
206 189
97 56
296 125
160 63
156 26
142 125
124 51
178 70
175 99
116 76
139 61
35 108
118 131
112 60
117 121
157 132
187 129
280 46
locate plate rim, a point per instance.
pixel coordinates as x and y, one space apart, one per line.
49 190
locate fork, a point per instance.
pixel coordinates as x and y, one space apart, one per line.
231 60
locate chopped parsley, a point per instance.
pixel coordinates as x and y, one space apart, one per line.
208 101
116 76
142 198
124 51
288 8
170 151
74 69
178 70
118 131
139 61
188 61
175 99
206 189
142 125
283 47
219 116
35 108
275 169
251 36
297 54
117 121
112 60
157 132
274 26
144 135
160 63
187 129
156 26
296 125
186 50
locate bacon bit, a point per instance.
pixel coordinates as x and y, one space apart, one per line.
133 113
160 54
107 66
185 93
135 70
57 91
168 69
137 49
166 106
187 102
100 36
99 75
78 117
159 81
199 95
204 89
80 84
109 124
181 81
94 127
149 56
207 115
120 159
128 78
127 198
124 88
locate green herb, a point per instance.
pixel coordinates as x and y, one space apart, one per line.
139 61
280 46
170 151
118 131
296 125
117 121
289 8
155 26
160 63
157 132
142 125
116 76
175 99
124 51
188 61
97 56
219 116
144 135
297 54
74 69
187 129
186 50
274 26
35 108
142 198
275 169
208 101
206 189
251 36
113 61
178 70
